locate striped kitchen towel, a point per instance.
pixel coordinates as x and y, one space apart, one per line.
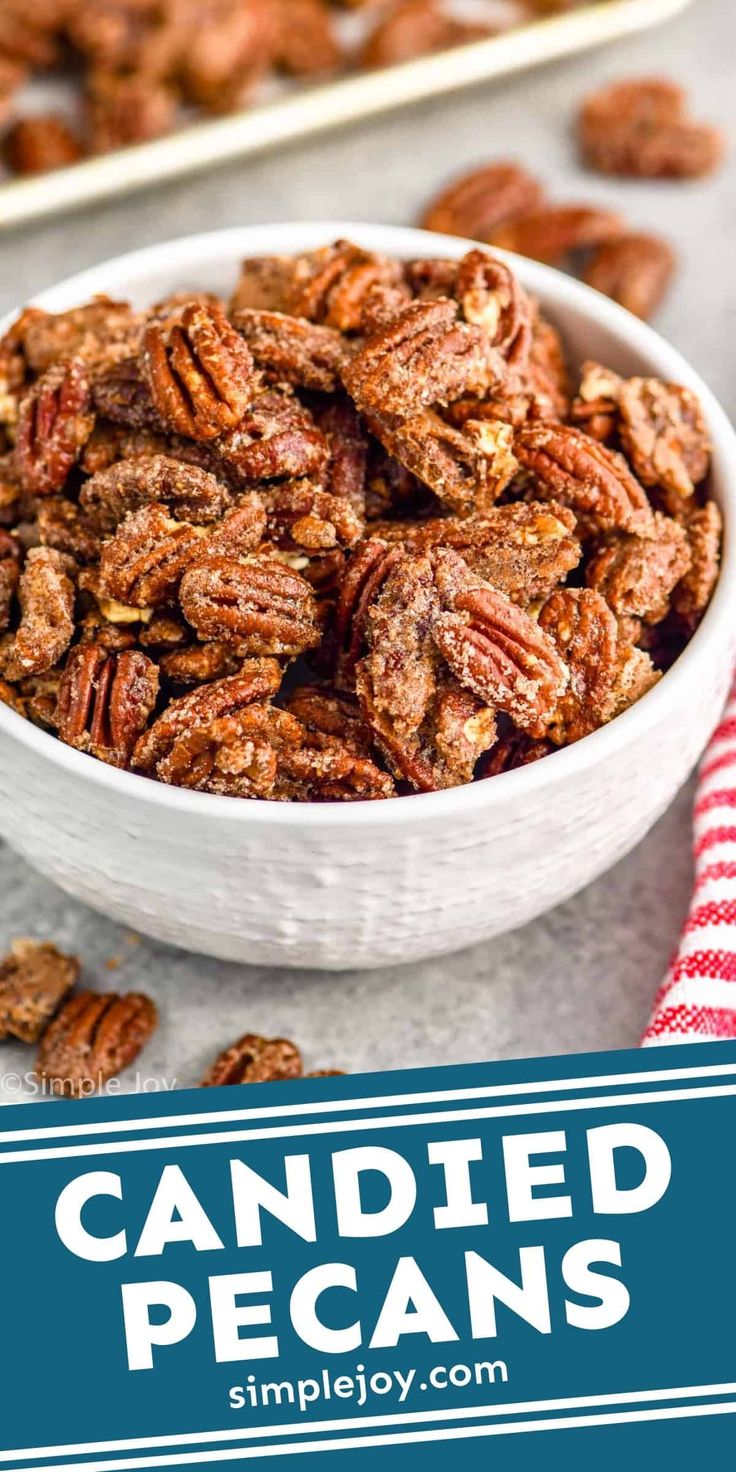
697 1000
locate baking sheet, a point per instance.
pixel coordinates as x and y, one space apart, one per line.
295 111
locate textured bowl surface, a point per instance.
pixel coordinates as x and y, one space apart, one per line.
367 884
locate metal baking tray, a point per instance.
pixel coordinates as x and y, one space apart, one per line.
296 111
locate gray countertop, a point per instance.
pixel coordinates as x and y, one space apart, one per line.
582 976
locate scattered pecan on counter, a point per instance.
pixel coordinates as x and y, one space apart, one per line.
256 1060
643 127
92 1038
34 979
353 535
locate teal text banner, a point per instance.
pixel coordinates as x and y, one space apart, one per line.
504 1263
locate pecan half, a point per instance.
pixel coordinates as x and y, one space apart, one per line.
339 285
129 484
494 648
704 528
92 1038
54 423
584 631
467 469
426 356
364 577
513 749
642 127
105 701
200 663
566 465
258 680
664 435
261 603
46 628
493 299
305 40
99 331
34 979
255 1060
414 28
144 561
301 516
292 350
554 232
330 712
276 438
480 203
34 145
199 370
523 550
634 270
127 109
349 449
636 575
121 393
62 524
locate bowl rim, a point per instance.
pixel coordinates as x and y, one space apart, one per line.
477 799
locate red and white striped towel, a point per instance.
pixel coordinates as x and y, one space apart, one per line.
697 1000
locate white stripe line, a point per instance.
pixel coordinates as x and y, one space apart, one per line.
339 1126
513 1408
332 1106
455 1433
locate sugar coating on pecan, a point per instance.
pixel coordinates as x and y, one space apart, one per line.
144 562
54 423
493 299
277 437
200 371
257 680
292 350
92 1038
664 436
426 356
643 127
583 629
105 701
34 979
299 514
128 484
267 607
467 469
98 332
46 595
704 529
255 1060
636 575
480 203
566 465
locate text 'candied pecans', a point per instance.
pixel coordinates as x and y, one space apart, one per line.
362 531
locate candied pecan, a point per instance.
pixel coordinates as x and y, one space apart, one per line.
513 749
664 435
392 489
94 628
62 524
46 597
120 391
704 527
258 680
293 350
122 36
634 677
554 232
636 575
300 515
24 39
430 279
493 647
414 28
144 561
255 1060
92 1038
40 698
54 423
34 979
232 49
12 76
10 554
522 549
492 298
330 712
10 490
478 204
200 663
105 701
566 465
11 696
266 283
277 437
241 529
634 270
305 39
319 767
127 109
14 364
546 372
584 631
365 575
34 145
259 602
595 406
642 127
336 285
430 730
200 372
95 333
349 447
426 356
467 469
128 484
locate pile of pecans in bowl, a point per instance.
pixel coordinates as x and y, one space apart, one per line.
351 535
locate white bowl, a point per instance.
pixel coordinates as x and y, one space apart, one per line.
368 884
